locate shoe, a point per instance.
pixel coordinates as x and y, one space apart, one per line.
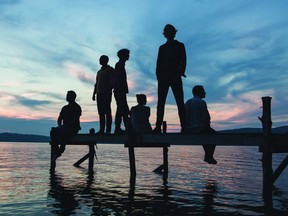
156 130
119 131
210 160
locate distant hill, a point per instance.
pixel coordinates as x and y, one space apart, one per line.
277 130
14 137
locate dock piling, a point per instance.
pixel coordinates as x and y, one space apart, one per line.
267 153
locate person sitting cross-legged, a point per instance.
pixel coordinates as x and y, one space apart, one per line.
198 120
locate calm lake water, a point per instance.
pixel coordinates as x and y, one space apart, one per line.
232 187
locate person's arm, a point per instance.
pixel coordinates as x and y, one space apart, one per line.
95 88
183 60
94 93
149 112
206 115
158 64
60 120
112 77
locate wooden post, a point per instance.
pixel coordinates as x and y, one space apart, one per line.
132 163
267 153
91 153
54 149
165 164
91 158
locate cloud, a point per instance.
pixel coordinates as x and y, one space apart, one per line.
27 102
80 72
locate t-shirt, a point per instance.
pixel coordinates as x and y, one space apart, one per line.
104 80
197 114
70 112
171 60
140 119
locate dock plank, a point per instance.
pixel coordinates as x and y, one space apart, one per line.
279 141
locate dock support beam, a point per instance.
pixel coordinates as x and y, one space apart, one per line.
132 163
280 169
165 164
267 154
91 159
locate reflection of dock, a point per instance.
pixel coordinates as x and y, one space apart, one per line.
268 144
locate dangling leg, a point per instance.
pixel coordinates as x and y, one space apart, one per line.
209 149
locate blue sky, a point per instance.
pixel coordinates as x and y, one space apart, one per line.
238 50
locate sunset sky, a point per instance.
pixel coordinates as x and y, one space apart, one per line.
238 50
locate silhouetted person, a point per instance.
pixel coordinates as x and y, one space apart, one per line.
68 124
198 120
103 92
120 91
140 115
171 65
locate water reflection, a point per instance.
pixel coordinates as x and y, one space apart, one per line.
229 189
65 198
73 198
209 193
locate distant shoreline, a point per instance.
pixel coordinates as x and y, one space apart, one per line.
15 137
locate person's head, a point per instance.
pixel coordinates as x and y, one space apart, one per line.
199 91
169 31
123 54
71 96
103 60
141 99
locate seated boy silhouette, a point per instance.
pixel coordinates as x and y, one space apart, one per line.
198 120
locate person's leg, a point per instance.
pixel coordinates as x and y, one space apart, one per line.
54 141
102 124
125 112
108 112
66 134
54 136
163 88
101 111
57 135
118 112
177 89
122 111
209 149
108 123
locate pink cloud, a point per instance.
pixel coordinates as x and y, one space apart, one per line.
80 72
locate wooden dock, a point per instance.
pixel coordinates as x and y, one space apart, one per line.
267 142
279 144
